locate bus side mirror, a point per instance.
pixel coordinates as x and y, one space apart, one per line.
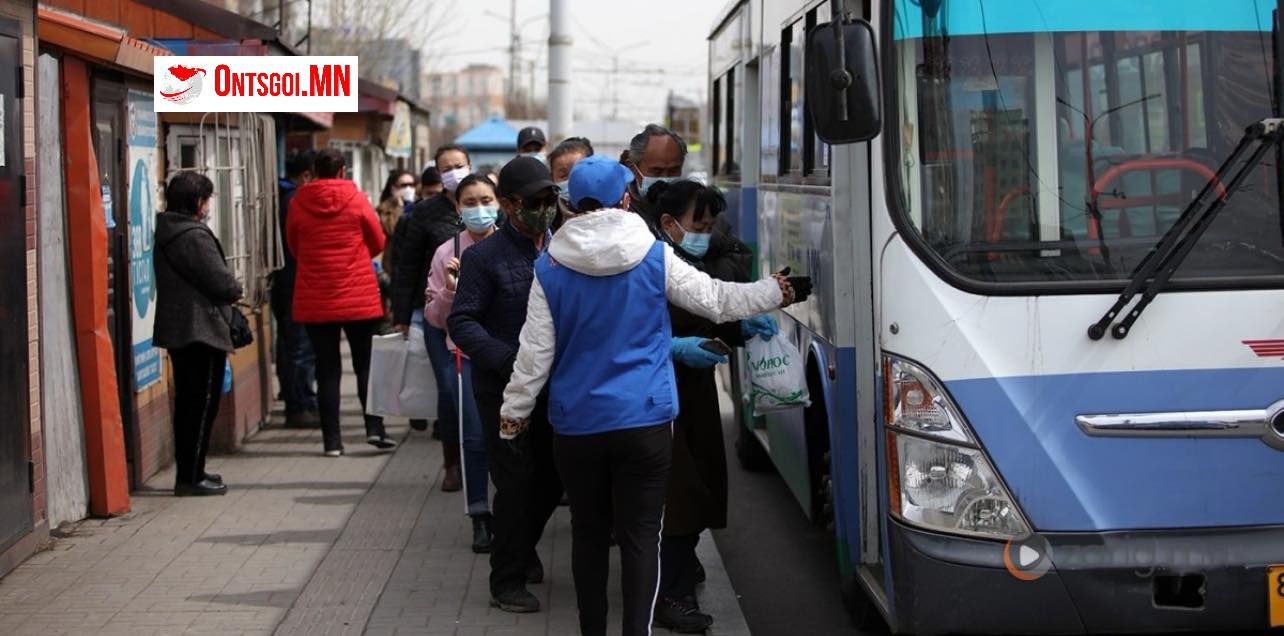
843 116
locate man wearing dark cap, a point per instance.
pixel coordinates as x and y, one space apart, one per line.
490 307
430 183
531 143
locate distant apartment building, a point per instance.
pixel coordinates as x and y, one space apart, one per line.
462 99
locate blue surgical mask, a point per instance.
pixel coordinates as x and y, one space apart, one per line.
533 155
480 218
564 190
694 243
647 182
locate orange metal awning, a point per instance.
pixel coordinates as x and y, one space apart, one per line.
96 41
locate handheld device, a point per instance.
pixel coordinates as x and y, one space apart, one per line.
717 346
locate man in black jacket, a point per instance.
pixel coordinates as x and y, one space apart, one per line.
431 222
295 361
485 321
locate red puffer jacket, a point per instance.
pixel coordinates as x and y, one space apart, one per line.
334 233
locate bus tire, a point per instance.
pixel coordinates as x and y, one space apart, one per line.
816 432
749 451
864 614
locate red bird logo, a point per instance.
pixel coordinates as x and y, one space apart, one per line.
183 85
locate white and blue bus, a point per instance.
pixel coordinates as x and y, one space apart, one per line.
1046 350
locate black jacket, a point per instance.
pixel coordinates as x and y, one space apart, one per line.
432 222
697 496
194 287
486 318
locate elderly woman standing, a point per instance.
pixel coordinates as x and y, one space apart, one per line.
194 295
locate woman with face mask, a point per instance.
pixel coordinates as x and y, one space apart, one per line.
697 493
479 208
396 200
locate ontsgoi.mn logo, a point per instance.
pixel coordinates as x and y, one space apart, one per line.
182 85
1028 558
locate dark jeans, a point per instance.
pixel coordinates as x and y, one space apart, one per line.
527 490
295 361
443 370
474 446
325 341
198 387
616 481
678 565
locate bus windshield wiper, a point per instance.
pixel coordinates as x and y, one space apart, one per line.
1159 264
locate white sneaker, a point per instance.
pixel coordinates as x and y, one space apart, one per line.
334 453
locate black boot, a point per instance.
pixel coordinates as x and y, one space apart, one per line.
483 536
214 477
680 615
517 601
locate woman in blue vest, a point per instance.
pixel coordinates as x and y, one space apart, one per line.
597 331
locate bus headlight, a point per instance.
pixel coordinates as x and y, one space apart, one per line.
938 477
950 488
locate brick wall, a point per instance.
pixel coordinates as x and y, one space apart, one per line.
24 12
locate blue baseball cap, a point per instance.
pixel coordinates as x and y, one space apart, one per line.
598 177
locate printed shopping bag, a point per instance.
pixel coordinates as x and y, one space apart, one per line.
777 380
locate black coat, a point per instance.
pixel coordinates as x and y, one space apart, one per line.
486 318
194 287
433 221
697 496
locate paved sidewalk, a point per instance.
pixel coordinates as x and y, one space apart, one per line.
301 544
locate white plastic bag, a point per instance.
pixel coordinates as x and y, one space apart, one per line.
777 380
401 380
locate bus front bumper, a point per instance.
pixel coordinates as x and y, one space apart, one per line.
1103 582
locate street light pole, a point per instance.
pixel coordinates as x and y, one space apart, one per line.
560 112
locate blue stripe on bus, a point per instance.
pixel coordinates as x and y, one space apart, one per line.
1066 480
976 17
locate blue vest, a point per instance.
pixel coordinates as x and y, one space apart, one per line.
611 368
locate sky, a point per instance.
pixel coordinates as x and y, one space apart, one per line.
659 44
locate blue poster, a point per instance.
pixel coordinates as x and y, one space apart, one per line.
141 156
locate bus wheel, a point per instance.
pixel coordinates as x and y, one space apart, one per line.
749 451
816 423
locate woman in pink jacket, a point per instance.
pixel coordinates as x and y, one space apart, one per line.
479 209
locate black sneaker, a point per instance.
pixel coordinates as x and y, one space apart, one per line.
535 572
214 477
380 442
680 615
517 601
483 537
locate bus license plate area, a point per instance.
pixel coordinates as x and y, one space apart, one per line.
1275 595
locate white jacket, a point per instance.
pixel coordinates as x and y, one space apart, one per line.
605 243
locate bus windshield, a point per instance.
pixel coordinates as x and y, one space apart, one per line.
1057 140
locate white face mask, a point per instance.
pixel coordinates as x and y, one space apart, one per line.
408 194
450 179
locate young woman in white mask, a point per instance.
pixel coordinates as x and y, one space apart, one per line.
479 209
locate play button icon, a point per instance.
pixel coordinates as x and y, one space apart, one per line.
1028 558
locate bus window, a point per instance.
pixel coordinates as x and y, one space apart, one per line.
816 150
731 120
791 102
715 109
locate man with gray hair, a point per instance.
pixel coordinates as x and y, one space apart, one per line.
655 154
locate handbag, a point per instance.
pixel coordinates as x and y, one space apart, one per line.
238 327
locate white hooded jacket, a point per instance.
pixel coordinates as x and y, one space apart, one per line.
605 243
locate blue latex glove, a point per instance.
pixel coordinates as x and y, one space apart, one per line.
688 352
763 325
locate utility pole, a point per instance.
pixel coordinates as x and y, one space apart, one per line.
560 113
513 50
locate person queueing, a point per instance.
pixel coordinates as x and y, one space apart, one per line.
697 495
597 333
479 209
194 294
429 186
295 362
395 202
433 221
334 235
489 310
560 162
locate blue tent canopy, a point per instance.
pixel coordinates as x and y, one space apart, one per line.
492 134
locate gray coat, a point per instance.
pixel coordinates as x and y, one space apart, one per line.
194 287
